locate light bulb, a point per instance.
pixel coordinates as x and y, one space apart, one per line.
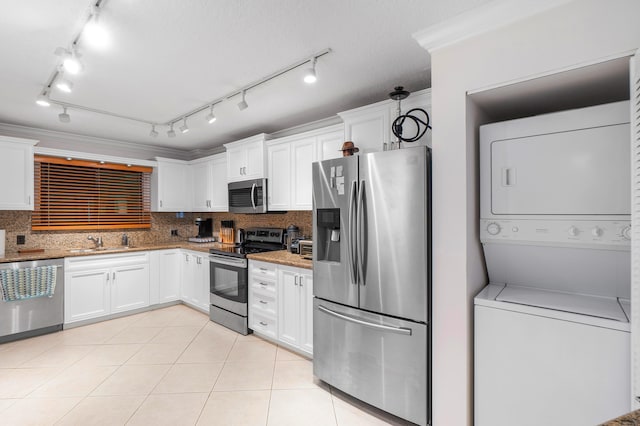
63 116
43 100
310 75
71 64
211 118
64 85
95 35
184 128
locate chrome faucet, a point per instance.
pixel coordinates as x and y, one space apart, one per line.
97 241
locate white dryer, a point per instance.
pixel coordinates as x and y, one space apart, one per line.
552 338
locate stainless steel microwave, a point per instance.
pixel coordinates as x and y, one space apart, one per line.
248 196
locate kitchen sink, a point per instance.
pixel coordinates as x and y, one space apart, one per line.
96 249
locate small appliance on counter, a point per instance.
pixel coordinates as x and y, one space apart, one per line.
205 231
239 236
305 248
227 232
293 233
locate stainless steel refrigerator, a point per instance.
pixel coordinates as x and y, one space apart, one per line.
372 279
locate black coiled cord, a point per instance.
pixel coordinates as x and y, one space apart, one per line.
396 127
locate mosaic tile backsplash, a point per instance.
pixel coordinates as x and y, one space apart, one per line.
19 223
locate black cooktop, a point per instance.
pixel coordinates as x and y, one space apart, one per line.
258 240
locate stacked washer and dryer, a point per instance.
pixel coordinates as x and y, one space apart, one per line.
552 332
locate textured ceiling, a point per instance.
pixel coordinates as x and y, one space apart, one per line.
168 57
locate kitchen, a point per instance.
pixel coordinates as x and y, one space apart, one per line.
455 239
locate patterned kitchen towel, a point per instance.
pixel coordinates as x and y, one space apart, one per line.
19 284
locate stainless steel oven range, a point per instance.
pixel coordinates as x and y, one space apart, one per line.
230 276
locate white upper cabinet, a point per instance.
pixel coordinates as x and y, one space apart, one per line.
369 127
289 166
330 142
16 173
171 186
209 184
246 158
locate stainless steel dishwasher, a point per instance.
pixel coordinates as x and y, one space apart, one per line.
31 316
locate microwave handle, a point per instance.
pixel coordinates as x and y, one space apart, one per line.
253 190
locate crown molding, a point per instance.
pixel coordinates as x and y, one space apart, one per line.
90 144
495 14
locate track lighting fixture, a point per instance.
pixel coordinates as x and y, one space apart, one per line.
171 133
63 116
310 76
64 85
242 105
70 59
153 132
184 128
211 118
43 99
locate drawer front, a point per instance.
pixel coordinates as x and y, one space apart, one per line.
263 324
263 286
263 304
261 269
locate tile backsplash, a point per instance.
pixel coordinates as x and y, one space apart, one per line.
19 223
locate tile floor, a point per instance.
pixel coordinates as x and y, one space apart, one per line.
170 366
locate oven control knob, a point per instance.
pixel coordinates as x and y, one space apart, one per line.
597 232
573 231
625 232
493 228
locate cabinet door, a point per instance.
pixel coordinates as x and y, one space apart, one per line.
219 188
173 182
201 282
329 145
302 155
169 277
288 306
306 312
254 161
236 163
16 175
86 295
202 186
129 287
368 130
188 277
279 179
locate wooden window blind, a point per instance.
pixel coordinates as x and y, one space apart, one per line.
86 195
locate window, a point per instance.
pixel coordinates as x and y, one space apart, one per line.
79 195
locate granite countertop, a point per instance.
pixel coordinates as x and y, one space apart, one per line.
629 419
282 257
63 252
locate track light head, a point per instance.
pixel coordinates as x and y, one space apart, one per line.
43 99
211 118
171 133
70 59
94 33
153 132
184 128
63 116
64 85
310 75
242 105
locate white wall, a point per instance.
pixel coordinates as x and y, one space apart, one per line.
574 34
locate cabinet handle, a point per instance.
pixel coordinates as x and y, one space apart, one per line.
240 170
263 284
28 200
114 276
107 277
295 280
160 203
264 269
263 302
263 323
300 281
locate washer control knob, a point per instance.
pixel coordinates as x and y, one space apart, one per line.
625 232
597 232
493 228
573 231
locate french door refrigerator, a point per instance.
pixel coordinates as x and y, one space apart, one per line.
372 279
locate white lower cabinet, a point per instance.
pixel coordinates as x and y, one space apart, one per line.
165 275
195 279
97 286
295 313
263 303
281 304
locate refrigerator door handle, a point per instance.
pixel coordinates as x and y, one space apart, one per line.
361 233
398 330
352 232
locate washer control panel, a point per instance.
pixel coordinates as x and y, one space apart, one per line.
591 232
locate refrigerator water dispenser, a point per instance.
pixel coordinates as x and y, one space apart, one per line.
328 234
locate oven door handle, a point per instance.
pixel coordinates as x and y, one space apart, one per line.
229 261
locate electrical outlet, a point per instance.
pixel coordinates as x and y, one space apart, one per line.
174 232
20 240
